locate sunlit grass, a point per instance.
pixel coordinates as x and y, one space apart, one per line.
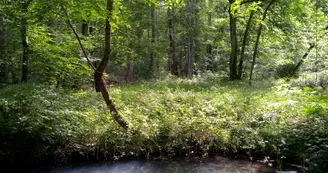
176 117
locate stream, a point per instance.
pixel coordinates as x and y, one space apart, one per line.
213 165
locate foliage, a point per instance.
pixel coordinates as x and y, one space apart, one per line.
285 69
312 80
37 120
202 115
170 118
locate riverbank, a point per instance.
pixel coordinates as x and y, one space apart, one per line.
169 118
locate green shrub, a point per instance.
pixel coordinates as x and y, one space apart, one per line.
285 69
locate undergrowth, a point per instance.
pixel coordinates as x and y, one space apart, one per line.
169 118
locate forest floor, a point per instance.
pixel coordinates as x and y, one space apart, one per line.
200 117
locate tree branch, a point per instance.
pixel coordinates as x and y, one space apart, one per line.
81 45
78 39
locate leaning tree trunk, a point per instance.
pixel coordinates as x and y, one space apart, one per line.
234 44
257 42
243 47
299 64
100 83
99 80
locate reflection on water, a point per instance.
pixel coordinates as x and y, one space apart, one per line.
217 165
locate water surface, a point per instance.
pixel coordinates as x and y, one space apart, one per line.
215 165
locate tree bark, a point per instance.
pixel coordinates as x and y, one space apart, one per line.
243 47
24 39
234 44
257 42
98 75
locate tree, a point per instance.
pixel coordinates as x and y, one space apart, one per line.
24 37
258 40
172 58
100 83
179 36
153 40
300 62
234 43
243 46
3 53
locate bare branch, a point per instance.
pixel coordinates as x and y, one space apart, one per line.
78 39
80 43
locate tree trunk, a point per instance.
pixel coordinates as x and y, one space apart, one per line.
153 41
189 56
234 44
129 73
172 60
299 64
4 70
189 23
85 29
196 49
209 46
257 42
24 39
297 67
99 81
245 39
209 51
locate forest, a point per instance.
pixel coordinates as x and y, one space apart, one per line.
106 80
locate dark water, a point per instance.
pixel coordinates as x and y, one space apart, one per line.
215 165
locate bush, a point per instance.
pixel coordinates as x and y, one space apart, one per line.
285 69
